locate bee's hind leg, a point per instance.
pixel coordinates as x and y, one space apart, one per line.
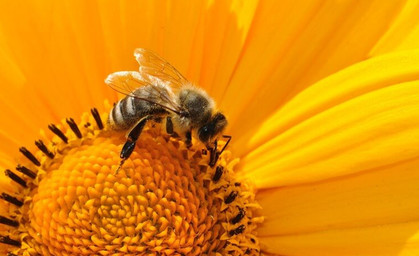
132 138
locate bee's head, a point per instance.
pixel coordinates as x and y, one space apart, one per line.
212 128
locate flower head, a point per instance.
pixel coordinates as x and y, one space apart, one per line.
166 199
321 99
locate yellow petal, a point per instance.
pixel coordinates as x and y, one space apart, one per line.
383 195
292 44
55 77
403 33
302 220
384 240
224 32
361 118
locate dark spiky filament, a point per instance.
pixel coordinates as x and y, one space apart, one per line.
70 121
9 241
9 222
11 199
15 178
238 217
58 132
237 230
230 198
22 169
97 118
40 144
218 173
30 156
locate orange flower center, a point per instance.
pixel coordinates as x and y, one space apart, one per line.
165 200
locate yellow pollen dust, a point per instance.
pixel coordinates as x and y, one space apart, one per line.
165 200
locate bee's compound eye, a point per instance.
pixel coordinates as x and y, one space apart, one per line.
204 133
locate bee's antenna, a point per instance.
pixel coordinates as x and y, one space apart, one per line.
214 154
228 137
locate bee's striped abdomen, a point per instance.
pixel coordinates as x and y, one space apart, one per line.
124 114
129 110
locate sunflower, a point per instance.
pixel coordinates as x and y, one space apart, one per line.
322 99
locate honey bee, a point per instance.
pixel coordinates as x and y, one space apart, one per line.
159 92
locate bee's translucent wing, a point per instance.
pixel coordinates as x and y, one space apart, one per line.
157 70
128 83
125 82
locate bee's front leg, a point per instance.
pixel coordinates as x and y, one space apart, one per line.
214 154
188 139
132 138
169 127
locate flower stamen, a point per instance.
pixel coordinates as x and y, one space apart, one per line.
9 241
41 146
237 230
218 173
238 217
230 198
58 132
97 118
22 169
9 222
15 178
11 199
29 156
70 121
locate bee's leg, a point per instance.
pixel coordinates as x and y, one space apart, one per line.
214 154
188 139
169 127
133 135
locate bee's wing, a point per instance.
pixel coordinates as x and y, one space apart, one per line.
127 83
157 70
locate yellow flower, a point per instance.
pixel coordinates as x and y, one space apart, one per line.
323 106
